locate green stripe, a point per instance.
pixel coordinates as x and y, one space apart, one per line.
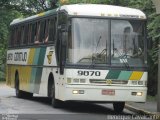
113 74
32 80
37 72
36 56
37 80
42 56
124 75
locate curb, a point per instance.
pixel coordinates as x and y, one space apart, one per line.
139 111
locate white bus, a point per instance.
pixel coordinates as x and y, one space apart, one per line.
81 52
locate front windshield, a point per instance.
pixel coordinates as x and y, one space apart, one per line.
105 41
127 42
89 41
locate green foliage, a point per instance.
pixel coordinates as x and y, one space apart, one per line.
2 76
7 15
153 28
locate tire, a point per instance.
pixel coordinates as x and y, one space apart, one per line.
118 107
55 103
28 95
19 93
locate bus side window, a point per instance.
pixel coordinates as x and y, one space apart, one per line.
42 34
34 28
52 29
37 35
15 36
22 35
46 31
18 36
25 35
29 33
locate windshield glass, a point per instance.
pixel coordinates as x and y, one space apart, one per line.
105 41
127 42
88 41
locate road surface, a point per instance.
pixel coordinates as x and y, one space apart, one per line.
39 108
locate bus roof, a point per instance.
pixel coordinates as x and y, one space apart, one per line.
15 21
103 10
91 10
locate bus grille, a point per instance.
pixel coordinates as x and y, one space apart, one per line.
108 82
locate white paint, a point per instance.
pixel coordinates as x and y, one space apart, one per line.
98 10
92 10
12 56
53 57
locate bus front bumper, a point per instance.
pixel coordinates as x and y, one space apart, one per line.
104 93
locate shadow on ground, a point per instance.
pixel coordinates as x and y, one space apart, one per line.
79 107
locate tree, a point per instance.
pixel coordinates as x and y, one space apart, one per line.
153 28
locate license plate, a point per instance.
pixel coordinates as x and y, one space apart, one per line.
108 92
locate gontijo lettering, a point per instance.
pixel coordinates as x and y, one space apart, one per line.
20 56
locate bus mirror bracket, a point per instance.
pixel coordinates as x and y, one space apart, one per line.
62 52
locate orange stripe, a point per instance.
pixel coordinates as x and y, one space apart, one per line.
136 75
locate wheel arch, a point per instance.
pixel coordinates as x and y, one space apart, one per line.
50 83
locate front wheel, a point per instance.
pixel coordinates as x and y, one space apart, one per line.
118 107
55 103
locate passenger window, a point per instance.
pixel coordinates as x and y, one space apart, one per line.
18 36
33 35
29 33
15 36
22 34
37 33
46 31
42 29
52 29
26 34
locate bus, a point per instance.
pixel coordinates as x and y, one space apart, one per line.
80 52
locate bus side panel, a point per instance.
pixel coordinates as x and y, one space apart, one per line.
50 67
30 64
9 76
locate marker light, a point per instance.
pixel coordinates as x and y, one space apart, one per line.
82 81
69 80
134 82
75 80
140 82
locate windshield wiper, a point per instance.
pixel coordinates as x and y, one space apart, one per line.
98 43
125 62
94 57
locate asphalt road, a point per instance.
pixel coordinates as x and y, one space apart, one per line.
39 108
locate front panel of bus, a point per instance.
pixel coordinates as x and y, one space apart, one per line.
106 60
